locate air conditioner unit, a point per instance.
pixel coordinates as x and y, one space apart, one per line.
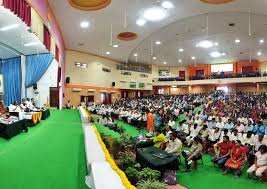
91 90
103 91
76 89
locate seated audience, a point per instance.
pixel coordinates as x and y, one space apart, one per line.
260 163
222 151
174 145
193 153
237 157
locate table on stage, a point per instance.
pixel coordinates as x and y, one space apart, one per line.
157 159
45 114
10 130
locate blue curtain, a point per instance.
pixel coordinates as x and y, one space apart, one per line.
11 70
36 66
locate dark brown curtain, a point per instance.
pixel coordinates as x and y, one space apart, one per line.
20 8
47 38
57 54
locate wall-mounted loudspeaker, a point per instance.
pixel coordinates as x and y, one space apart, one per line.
67 79
113 84
34 86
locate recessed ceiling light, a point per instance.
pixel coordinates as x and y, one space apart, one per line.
205 44
140 22
108 52
84 24
216 44
115 46
154 58
31 44
181 50
167 4
193 58
215 54
237 40
180 60
155 14
135 54
158 42
259 53
262 41
223 54
9 27
164 62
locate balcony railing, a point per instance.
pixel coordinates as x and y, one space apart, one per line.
225 76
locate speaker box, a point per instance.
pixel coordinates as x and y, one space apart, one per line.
113 84
34 86
67 79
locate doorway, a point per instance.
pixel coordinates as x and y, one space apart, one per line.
54 97
87 99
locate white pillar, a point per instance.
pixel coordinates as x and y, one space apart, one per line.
23 76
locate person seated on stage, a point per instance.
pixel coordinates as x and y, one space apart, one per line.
15 107
239 126
193 153
259 129
159 138
236 160
174 145
222 151
260 162
229 125
68 105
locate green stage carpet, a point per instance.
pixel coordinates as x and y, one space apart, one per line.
49 156
207 176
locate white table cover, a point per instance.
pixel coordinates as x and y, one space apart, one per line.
83 115
102 176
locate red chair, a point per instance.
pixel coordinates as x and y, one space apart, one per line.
195 162
264 175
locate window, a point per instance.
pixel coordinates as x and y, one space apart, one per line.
160 91
222 68
164 73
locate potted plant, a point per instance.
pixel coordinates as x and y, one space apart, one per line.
126 159
150 184
148 174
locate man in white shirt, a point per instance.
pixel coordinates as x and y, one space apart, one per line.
220 124
258 142
174 146
260 163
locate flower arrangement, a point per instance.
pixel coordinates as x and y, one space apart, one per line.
112 163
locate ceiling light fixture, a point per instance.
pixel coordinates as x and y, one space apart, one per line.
205 44
216 44
9 27
158 42
84 24
155 14
215 54
181 50
193 58
31 44
179 60
167 4
135 54
115 46
262 41
140 22
237 40
259 53
164 62
223 54
154 58
108 52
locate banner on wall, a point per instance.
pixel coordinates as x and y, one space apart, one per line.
1 84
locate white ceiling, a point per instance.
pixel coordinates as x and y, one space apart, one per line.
183 28
12 41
